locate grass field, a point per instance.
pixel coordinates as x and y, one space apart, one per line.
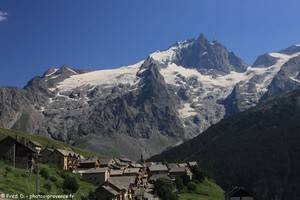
207 190
19 181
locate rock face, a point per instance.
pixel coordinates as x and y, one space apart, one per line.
209 57
170 97
258 149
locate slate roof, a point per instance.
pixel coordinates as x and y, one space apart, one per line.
116 172
106 161
136 165
110 190
172 165
67 152
192 163
131 170
122 182
153 168
88 160
238 192
158 176
95 170
178 170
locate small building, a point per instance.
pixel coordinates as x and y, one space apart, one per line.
63 159
116 188
106 162
87 163
116 172
180 172
106 192
158 169
192 164
131 171
238 193
136 165
17 153
96 176
46 155
155 177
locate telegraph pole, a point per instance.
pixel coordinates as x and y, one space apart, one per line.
14 156
37 175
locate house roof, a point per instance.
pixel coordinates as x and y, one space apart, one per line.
122 182
88 160
125 160
158 168
136 165
172 165
95 170
192 163
9 140
115 172
35 143
67 152
106 161
178 170
238 192
158 176
131 170
110 190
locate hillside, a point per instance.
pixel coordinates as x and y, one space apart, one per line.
257 149
19 181
207 190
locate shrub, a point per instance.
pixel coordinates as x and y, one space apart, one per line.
8 169
47 186
198 174
70 184
192 186
45 173
53 178
179 183
164 188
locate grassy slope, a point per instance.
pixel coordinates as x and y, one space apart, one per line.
46 142
207 190
19 181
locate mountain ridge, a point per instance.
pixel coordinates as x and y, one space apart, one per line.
114 107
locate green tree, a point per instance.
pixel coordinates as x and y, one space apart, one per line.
165 189
192 186
70 184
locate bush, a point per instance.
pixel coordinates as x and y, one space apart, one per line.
198 174
45 173
47 186
164 188
70 184
53 178
179 183
8 169
192 186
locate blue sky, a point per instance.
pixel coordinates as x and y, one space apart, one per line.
95 34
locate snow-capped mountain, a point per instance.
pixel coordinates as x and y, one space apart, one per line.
171 96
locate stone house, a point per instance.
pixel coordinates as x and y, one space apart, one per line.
96 176
157 169
63 159
117 188
17 153
238 193
88 163
180 171
106 162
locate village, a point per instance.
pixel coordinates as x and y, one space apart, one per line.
115 178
